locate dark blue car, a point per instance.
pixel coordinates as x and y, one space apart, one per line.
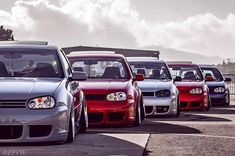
219 91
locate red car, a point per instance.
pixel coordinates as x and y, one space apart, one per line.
193 91
111 91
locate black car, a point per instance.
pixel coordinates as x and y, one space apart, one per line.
219 91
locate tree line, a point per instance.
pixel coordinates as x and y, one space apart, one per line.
6 34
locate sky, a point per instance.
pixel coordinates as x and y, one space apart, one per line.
205 27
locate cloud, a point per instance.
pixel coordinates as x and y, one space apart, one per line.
117 23
204 34
70 22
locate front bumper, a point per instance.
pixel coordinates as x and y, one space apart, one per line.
160 105
218 99
194 102
111 113
33 125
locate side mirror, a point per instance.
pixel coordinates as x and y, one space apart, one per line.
178 78
139 77
209 78
228 79
78 76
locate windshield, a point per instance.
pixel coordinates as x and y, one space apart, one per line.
30 64
187 73
214 72
151 70
101 68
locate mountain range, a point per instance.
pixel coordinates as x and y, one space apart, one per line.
169 54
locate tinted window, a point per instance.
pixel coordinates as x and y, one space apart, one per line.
101 68
187 73
151 70
214 72
25 63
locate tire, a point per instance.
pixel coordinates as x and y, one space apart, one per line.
227 102
209 104
208 108
143 114
138 116
71 133
83 123
178 108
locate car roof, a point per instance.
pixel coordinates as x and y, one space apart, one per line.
27 46
144 59
175 64
125 52
25 42
181 63
207 66
95 54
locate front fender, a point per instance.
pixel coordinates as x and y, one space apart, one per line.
64 97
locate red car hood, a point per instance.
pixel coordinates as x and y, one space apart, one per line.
104 85
189 84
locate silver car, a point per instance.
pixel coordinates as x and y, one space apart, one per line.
160 94
39 95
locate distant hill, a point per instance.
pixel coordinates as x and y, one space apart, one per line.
168 54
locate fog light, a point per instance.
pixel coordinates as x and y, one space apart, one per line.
165 109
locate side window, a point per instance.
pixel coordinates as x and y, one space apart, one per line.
66 63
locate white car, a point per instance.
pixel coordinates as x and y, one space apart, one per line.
160 95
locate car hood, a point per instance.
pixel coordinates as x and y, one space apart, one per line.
155 84
26 88
215 84
190 84
103 85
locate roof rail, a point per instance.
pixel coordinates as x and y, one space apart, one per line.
125 52
92 52
25 42
179 62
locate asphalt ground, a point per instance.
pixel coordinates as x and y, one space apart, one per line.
193 133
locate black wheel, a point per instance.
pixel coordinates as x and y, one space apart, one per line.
71 133
209 104
143 114
138 116
178 108
83 123
227 100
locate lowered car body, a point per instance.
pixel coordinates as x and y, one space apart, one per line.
160 95
39 97
111 91
193 91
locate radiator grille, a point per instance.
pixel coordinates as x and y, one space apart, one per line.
12 103
95 97
148 93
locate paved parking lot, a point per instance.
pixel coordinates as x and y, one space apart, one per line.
199 133
193 133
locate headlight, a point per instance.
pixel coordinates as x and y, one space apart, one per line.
42 103
219 90
196 91
163 93
117 96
